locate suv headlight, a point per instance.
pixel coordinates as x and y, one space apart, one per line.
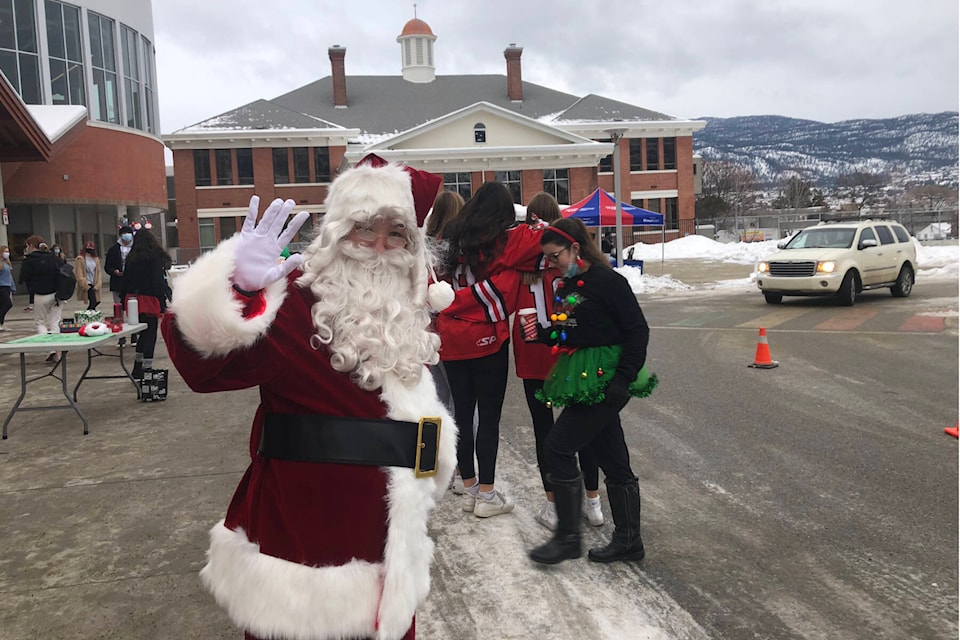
827 266
763 267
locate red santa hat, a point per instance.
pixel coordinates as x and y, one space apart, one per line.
423 184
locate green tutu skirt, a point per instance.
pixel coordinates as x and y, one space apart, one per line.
581 376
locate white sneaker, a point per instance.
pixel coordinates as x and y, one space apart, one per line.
495 506
3 328
456 485
547 516
591 510
469 501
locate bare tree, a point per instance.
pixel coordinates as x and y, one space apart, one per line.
727 187
932 196
862 188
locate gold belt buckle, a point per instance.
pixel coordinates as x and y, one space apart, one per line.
421 445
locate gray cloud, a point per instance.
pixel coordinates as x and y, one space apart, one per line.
817 59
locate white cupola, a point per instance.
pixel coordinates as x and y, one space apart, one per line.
416 47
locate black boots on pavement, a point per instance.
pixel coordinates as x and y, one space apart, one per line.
565 543
625 507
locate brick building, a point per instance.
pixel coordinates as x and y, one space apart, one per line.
80 148
469 128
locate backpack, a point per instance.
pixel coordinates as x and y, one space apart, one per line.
66 282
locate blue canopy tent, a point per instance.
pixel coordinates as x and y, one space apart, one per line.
599 209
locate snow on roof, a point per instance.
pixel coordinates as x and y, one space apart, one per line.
56 120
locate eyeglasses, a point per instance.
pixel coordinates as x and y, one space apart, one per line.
552 257
395 238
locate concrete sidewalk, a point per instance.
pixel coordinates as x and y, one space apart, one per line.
103 535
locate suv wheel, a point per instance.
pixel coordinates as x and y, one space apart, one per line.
847 294
904 284
773 298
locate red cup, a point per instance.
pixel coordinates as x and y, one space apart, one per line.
118 311
528 324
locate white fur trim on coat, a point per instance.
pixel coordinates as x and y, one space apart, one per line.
209 316
273 597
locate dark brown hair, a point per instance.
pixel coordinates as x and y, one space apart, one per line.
578 231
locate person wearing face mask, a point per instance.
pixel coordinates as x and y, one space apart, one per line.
7 287
116 258
86 268
57 252
600 337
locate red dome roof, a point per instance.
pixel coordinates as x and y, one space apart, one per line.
416 27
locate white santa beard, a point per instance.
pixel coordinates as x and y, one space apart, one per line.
364 314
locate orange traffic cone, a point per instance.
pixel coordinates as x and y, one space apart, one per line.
762 359
953 431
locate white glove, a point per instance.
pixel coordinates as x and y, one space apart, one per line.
260 245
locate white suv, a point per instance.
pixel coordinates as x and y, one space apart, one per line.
841 259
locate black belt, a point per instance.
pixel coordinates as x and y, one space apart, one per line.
368 442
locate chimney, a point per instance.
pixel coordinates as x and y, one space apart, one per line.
514 81
337 74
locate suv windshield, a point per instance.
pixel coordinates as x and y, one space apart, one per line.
819 238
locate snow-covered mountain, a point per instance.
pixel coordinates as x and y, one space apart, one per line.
918 148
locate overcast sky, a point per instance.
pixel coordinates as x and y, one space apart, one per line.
826 60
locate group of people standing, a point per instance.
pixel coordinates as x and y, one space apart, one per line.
136 265
587 356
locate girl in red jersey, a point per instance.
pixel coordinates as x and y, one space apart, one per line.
484 240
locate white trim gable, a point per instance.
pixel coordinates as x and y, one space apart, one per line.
512 141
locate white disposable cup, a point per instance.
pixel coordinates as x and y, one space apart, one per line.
528 323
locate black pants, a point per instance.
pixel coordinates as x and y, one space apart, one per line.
480 383
5 303
542 417
596 425
92 297
147 340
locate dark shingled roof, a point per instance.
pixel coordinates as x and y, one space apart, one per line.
387 105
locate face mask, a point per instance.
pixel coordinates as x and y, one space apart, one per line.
89 250
56 251
127 237
6 255
572 270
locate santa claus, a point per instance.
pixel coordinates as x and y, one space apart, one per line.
326 534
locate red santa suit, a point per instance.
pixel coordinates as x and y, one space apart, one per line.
307 550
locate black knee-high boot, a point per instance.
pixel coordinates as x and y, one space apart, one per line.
565 543
625 507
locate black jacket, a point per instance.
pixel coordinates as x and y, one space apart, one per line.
114 260
39 272
145 277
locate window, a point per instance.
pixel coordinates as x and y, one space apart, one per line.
208 234
671 215
557 184
479 133
867 234
459 182
105 97
201 168
901 233
669 153
301 164
636 154
149 67
511 180
132 87
281 166
19 59
321 163
653 204
244 166
228 227
66 59
606 163
886 237
224 161
653 154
